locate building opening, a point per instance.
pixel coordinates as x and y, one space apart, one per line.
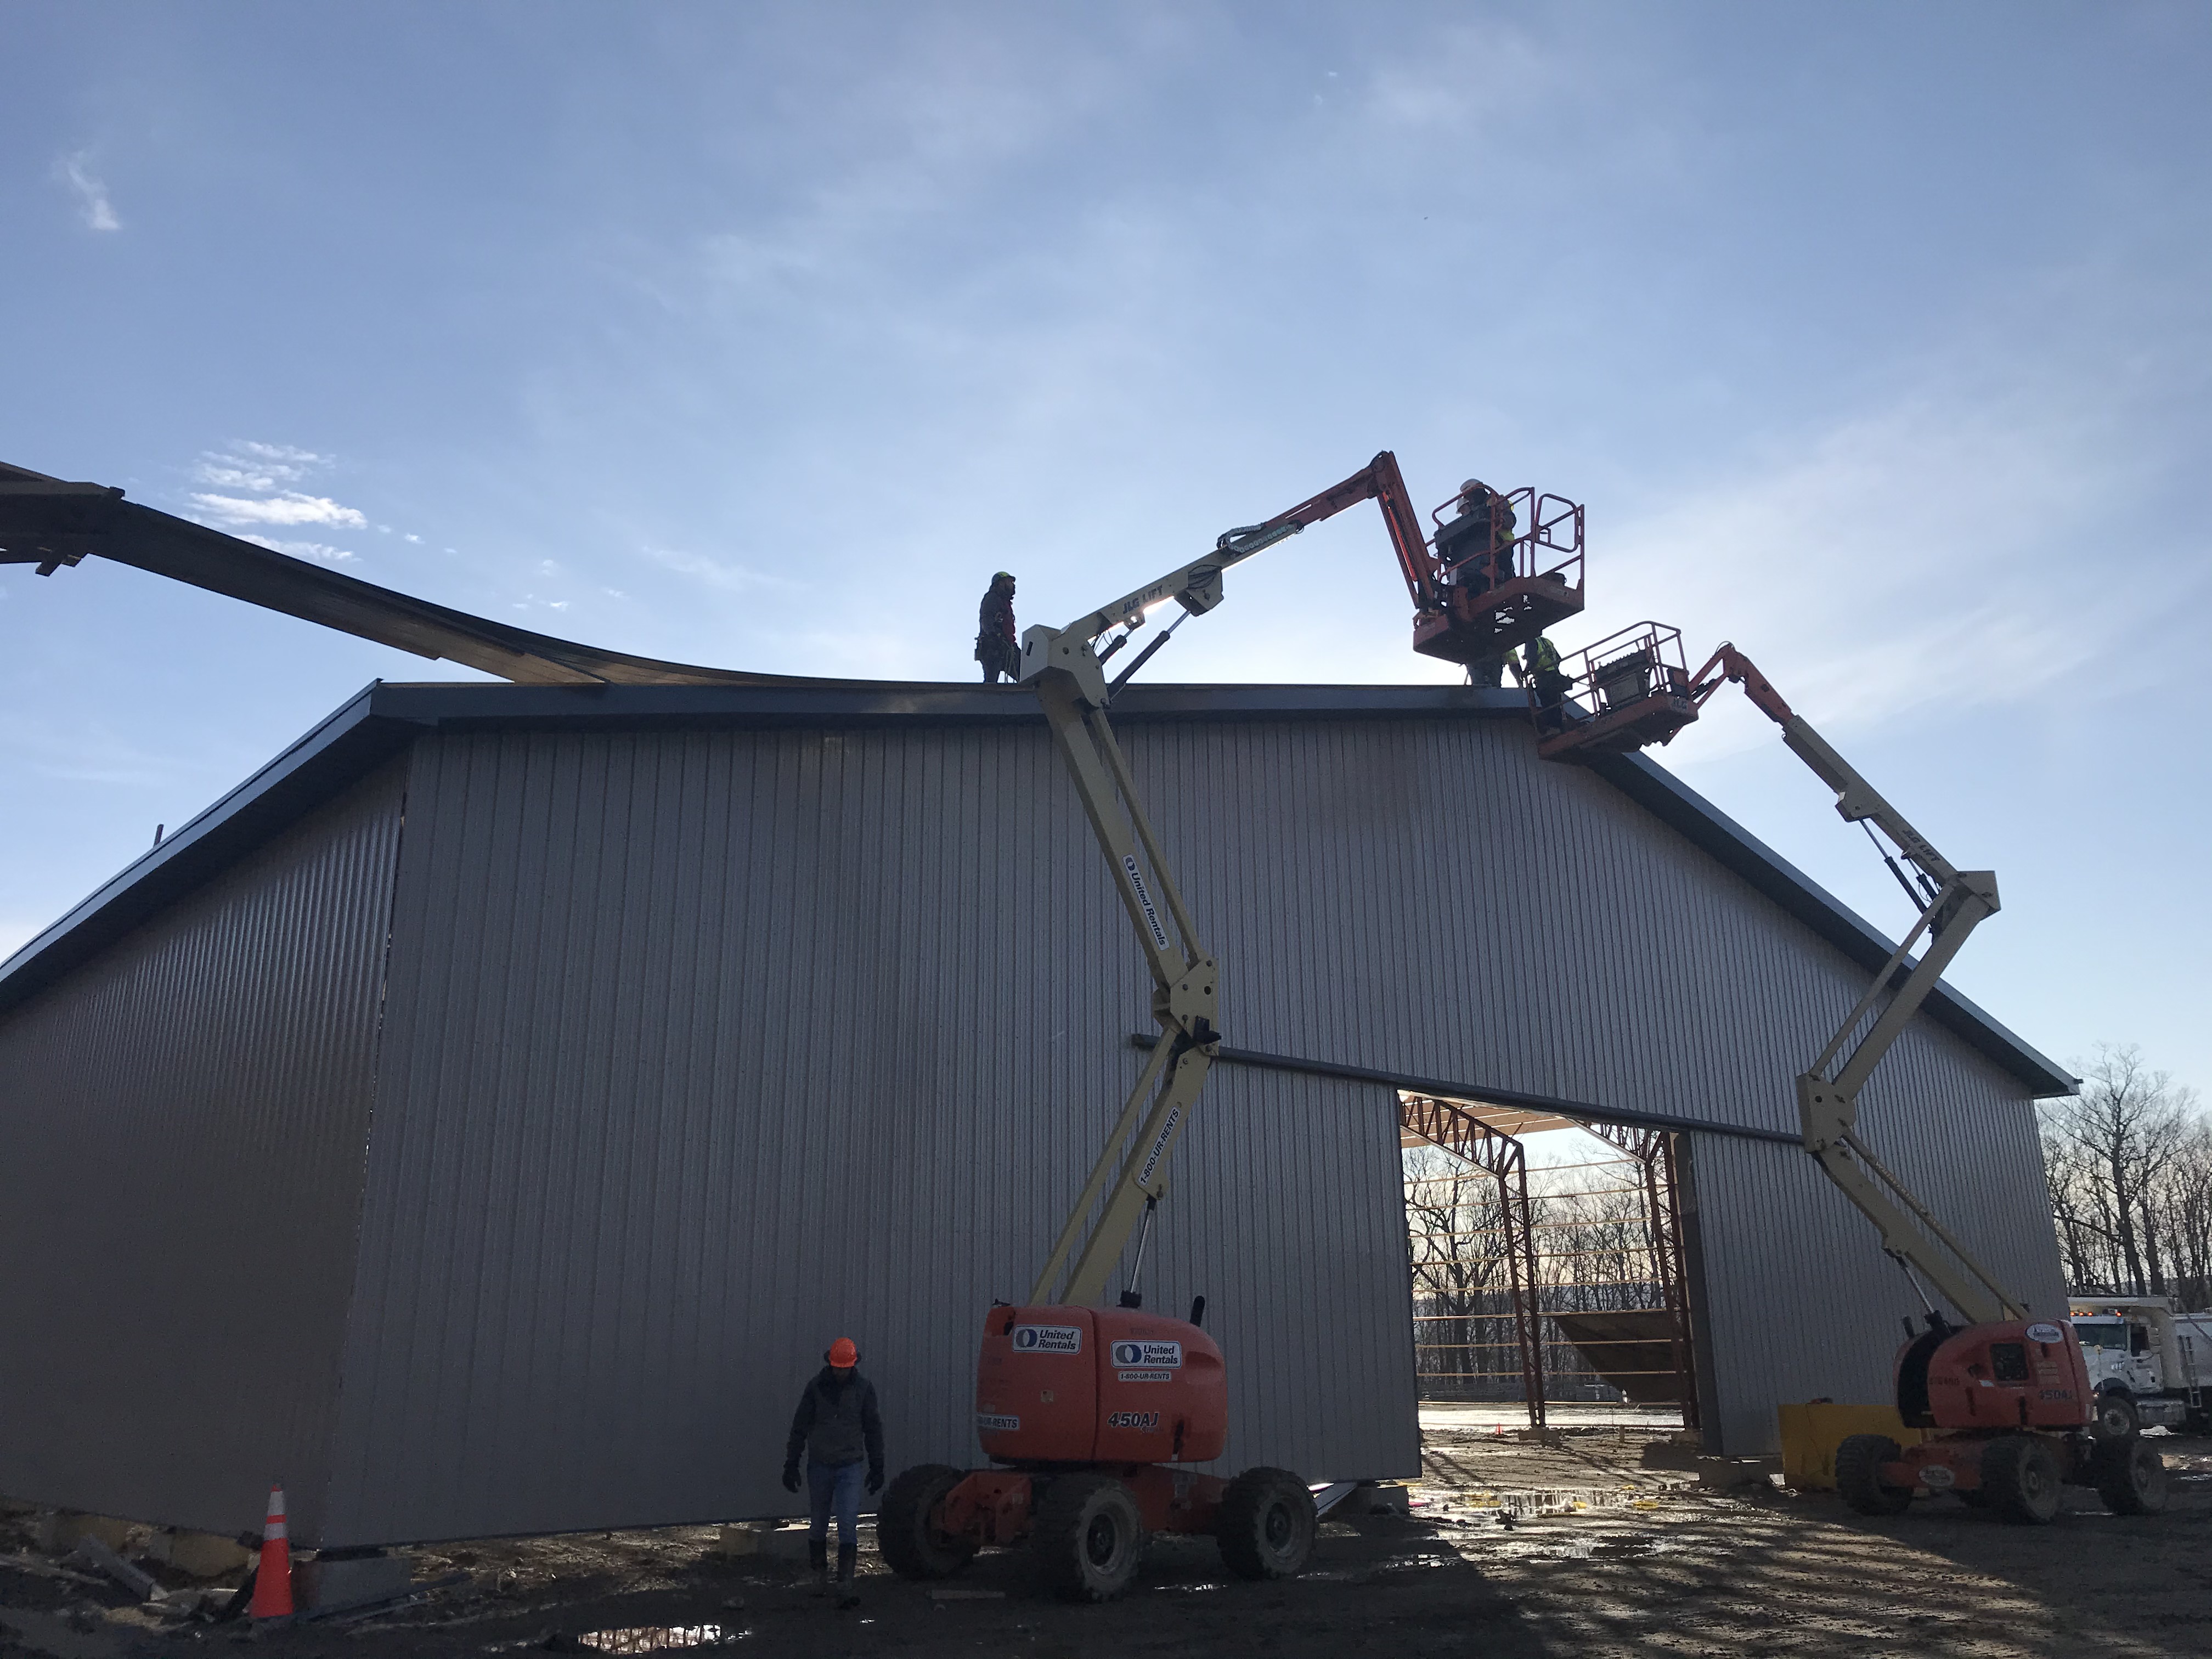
1549 1268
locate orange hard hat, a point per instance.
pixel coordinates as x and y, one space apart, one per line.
843 1356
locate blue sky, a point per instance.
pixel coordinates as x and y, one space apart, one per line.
1875 338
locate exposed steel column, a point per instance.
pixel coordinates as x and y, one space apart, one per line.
1452 1129
1663 1182
1654 1152
1504 1157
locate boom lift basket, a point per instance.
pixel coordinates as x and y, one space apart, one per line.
1630 689
1479 618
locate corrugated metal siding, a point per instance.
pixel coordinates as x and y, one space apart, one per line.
705 1049
1800 1302
702 1048
1432 899
169 1334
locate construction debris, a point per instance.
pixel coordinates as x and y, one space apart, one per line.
91 1552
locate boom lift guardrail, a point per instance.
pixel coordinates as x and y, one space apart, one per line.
2008 1396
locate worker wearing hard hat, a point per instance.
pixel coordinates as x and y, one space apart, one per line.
995 646
1475 548
837 1426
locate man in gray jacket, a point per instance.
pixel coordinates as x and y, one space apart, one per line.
836 1426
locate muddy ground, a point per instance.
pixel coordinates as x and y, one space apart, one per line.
1650 1565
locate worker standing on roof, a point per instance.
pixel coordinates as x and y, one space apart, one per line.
1541 672
995 646
836 1426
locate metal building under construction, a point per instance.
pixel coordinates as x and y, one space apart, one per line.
480 1118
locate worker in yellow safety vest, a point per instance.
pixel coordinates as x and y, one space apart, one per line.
1539 669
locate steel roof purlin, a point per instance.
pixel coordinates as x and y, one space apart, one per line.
386 717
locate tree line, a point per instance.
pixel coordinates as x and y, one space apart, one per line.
2129 1161
1594 1255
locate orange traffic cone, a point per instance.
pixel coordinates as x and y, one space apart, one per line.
272 1581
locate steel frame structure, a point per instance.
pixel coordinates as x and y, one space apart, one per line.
1460 1131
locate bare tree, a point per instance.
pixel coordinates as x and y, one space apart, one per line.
2121 1157
1453 1226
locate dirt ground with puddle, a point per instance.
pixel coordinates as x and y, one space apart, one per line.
1648 1566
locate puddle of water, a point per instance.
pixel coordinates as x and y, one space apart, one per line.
658 1639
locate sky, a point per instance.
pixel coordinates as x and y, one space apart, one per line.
1875 338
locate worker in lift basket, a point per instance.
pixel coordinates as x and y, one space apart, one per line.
995 646
1465 544
836 1426
1542 670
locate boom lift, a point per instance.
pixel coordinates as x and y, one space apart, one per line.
1085 1410
1473 597
2004 1397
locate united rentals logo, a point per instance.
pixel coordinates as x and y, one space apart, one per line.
1149 1354
1048 1338
1143 899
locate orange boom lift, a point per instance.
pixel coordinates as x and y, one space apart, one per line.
2005 1395
1091 1414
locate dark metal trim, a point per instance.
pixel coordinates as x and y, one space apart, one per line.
1476 1091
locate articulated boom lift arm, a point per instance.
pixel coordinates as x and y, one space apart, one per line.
1072 687
1068 672
1953 901
1379 480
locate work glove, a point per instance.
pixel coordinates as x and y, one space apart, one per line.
791 1477
875 1477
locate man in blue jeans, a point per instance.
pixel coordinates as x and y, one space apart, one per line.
836 1426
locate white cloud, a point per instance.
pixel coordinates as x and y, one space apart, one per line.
1927 553
243 465
733 578
289 508
209 472
322 552
76 171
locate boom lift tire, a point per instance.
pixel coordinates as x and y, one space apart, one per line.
2022 1475
1266 1524
2117 1420
911 1547
1089 1537
2131 1479
1858 1475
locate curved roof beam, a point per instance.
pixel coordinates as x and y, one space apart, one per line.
51 523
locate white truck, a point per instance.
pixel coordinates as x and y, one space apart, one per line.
2140 1351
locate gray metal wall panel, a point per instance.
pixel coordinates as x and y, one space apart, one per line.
1433 899
184 1120
704 1049
706 1046
1800 1302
